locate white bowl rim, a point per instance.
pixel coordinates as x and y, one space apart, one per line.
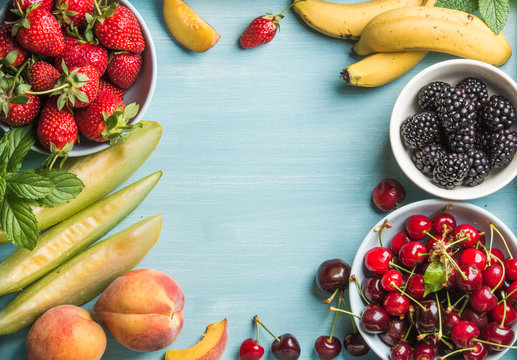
398 148
357 265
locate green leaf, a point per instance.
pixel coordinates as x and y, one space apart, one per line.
81 96
462 5
11 57
22 99
20 140
495 13
67 187
434 277
131 111
19 223
29 185
3 187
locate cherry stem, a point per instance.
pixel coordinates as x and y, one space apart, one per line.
456 351
399 267
448 301
329 300
408 296
257 327
294 3
431 235
492 227
408 331
380 228
458 241
494 344
257 319
442 210
409 277
487 254
438 305
332 308
464 306
64 86
458 301
348 309
449 345
451 260
354 279
501 280
508 295
504 310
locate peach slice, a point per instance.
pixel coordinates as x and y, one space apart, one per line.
188 27
210 347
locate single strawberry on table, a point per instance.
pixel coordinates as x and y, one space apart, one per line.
73 12
8 44
77 53
106 119
124 68
42 76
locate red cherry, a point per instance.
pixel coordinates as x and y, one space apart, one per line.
480 352
411 253
452 318
498 312
482 300
327 350
510 266
497 334
512 292
401 351
463 333
287 348
497 253
466 232
479 320
417 226
473 256
423 352
492 276
396 304
372 289
416 286
474 278
355 345
391 280
250 350
398 241
377 260
387 194
443 223
375 319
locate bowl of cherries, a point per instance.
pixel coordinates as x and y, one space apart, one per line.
438 280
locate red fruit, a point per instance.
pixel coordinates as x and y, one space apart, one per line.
42 76
107 87
473 256
120 31
468 233
443 223
22 114
8 43
497 334
418 226
396 304
412 253
44 36
250 350
260 31
498 254
377 260
510 265
56 128
81 86
431 242
473 280
492 276
326 348
423 352
401 351
76 54
387 194
480 352
463 333
80 7
391 280
124 68
47 5
512 292
482 300
401 238
416 286
498 313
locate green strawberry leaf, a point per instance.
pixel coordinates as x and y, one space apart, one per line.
495 13
66 187
81 96
434 277
20 100
131 111
28 185
462 5
19 140
19 223
11 57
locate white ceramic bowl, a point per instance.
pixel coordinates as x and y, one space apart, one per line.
451 71
140 93
463 212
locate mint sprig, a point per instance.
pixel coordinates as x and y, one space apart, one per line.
18 190
494 12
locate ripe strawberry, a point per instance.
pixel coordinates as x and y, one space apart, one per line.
124 68
119 29
42 76
21 114
76 54
78 87
38 31
262 29
105 119
8 43
57 131
105 87
24 4
73 12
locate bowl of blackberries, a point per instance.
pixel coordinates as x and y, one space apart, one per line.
437 281
452 129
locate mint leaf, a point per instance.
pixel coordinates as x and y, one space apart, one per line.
462 5
19 223
19 140
434 277
495 13
67 187
3 186
28 185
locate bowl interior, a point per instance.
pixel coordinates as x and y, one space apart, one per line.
463 212
451 71
141 92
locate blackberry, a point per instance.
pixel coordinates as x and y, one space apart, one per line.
462 142
455 109
426 157
483 138
502 148
476 90
420 129
451 170
498 113
479 167
426 97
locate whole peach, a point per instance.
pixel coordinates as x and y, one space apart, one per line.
142 309
66 332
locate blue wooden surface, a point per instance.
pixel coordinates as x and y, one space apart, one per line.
269 160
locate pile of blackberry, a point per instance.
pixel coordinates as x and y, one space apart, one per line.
461 134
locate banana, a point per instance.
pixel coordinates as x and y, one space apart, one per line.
345 21
381 68
433 29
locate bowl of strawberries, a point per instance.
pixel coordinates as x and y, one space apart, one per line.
438 280
81 73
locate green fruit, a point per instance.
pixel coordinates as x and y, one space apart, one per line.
102 173
83 277
73 235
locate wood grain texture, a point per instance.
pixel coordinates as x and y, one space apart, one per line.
269 161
